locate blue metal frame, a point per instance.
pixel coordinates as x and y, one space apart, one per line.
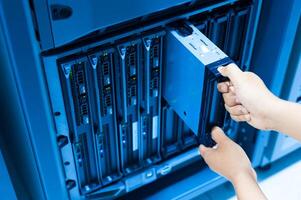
273 47
32 133
6 186
93 16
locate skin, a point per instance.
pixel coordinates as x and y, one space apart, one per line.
248 99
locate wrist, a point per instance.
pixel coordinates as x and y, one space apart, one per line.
242 177
276 112
272 112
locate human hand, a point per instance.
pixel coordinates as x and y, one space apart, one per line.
247 98
227 158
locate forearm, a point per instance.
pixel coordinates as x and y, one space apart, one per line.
246 188
287 118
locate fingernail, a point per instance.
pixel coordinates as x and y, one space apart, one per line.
201 149
214 128
220 69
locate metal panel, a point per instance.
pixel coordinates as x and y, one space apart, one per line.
191 90
279 23
35 140
292 91
96 15
6 186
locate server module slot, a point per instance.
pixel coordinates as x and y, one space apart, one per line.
226 29
128 96
102 64
151 97
76 95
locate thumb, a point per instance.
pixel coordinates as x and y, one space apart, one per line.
204 151
231 71
218 135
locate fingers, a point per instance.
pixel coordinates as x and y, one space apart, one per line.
254 174
241 118
223 87
232 89
231 71
236 110
218 135
204 151
230 99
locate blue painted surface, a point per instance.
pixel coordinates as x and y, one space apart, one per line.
6 188
28 120
96 15
272 51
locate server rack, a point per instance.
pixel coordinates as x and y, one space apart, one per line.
277 68
137 64
102 109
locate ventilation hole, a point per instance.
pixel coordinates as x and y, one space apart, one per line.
66 163
62 140
70 184
57 113
106 68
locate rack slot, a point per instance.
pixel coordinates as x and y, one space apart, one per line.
218 31
150 103
189 139
102 64
128 99
77 97
237 32
171 135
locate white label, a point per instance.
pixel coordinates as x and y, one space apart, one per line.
135 135
155 127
